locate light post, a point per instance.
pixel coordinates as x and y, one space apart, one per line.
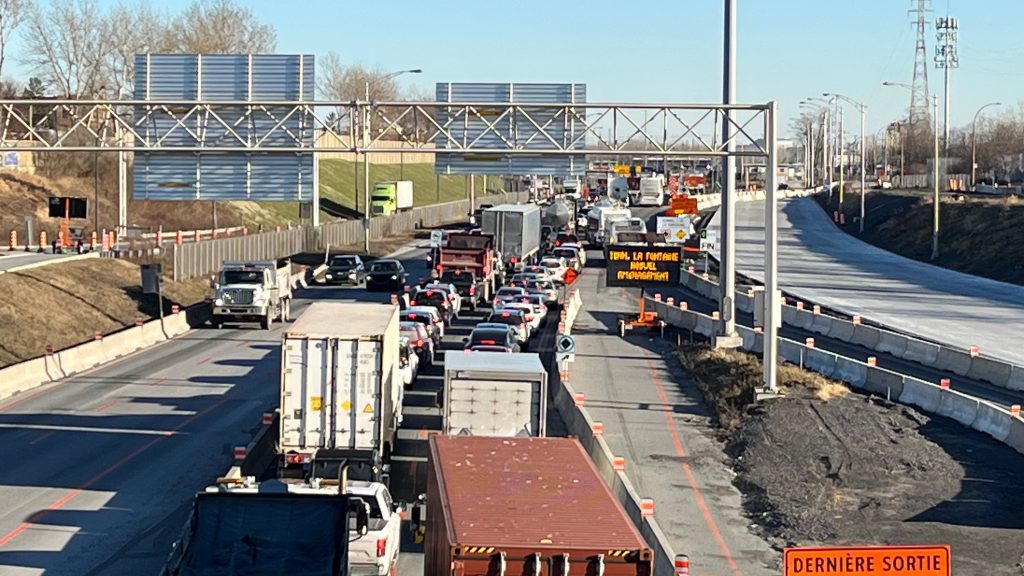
935 177
863 175
366 155
974 143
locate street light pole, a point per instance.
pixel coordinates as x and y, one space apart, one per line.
366 155
974 143
863 162
935 177
727 336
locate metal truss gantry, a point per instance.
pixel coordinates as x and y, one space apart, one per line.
440 128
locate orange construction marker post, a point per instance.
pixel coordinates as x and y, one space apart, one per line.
1015 410
578 399
619 464
944 383
856 320
715 315
13 240
809 342
670 301
682 567
683 305
799 305
597 428
197 236
817 309
872 361
179 238
975 352
93 240
646 507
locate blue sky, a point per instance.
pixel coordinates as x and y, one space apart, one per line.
666 50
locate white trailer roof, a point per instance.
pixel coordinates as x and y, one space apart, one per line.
493 362
343 320
513 208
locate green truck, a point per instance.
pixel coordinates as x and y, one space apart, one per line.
391 197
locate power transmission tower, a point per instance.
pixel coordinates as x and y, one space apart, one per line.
946 58
919 86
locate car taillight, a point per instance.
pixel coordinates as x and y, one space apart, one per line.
411 316
505 314
529 318
382 547
488 342
513 260
418 343
413 303
293 458
472 290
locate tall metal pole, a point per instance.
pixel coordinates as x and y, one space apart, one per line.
727 336
974 143
366 172
863 164
842 155
810 176
771 249
935 176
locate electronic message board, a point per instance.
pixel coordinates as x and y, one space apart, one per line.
643 265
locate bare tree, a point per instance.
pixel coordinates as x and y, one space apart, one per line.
133 30
221 27
336 81
12 13
65 43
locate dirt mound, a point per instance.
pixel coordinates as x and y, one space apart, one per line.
822 465
64 304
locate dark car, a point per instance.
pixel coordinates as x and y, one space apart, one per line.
491 339
466 283
515 318
386 275
346 269
436 298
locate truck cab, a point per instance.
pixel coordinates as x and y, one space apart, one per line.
391 197
252 291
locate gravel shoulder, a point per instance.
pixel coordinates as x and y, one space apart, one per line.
822 465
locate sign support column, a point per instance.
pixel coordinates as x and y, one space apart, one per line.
771 253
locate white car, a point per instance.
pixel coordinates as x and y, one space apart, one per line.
408 362
555 266
453 295
376 552
507 293
580 251
431 312
531 314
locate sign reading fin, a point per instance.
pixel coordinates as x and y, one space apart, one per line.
868 561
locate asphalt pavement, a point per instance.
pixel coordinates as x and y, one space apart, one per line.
100 469
820 263
16 259
654 416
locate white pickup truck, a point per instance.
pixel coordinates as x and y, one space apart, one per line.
376 552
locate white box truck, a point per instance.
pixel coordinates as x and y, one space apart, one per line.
494 394
341 390
651 191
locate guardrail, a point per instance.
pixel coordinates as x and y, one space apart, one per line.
204 257
939 399
571 407
971 363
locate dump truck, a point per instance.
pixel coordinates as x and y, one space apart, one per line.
390 197
240 526
252 291
494 394
341 390
549 511
516 232
467 260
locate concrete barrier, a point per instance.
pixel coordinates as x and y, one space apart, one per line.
261 452
884 383
989 370
958 406
705 325
821 324
891 343
950 360
994 421
1016 379
921 352
820 361
1015 437
866 336
804 319
842 330
63 363
922 394
850 371
789 315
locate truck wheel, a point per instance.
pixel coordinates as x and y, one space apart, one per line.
216 323
266 321
286 313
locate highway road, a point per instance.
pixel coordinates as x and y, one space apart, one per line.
99 469
820 263
16 259
655 418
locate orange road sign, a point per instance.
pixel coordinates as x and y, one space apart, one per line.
868 561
